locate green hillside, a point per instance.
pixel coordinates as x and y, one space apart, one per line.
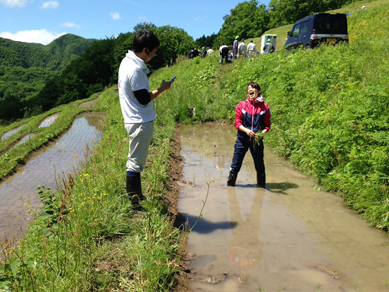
55 56
69 44
25 68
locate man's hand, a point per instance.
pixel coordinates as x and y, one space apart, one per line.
165 85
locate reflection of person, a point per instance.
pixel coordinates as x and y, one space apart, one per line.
268 47
224 53
251 116
137 107
245 246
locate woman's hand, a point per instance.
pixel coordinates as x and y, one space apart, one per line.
250 133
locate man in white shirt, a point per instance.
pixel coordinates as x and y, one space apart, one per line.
210 52
251 49
242 49
137 108
224 53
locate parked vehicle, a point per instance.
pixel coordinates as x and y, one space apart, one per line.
321 28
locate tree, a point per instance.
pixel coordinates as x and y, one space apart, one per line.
247 20
174 42
283 12
206 41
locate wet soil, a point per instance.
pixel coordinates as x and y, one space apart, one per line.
288 237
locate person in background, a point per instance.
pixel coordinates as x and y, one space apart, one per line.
203 53
268 47
252 119
235 47
242 49
210 52
138 109
223 53
196 52
191 53
251 49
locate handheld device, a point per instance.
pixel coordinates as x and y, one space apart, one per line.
172 79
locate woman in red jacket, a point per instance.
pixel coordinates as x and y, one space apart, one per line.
251 116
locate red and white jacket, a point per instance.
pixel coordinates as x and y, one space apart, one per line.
253 115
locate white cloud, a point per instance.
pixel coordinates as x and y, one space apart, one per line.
115 15
50 4
32 36
12 3
70 24
143 18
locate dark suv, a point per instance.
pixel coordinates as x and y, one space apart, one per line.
310 31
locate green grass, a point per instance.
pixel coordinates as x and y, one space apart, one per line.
330 118
87 237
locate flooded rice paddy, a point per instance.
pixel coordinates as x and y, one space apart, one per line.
61 157
289 237
48 121
12 132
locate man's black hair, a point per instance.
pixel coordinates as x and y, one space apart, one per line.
145 39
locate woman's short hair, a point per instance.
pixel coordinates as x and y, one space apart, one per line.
145 39
253 85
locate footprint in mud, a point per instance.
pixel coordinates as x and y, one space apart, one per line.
335 274
185 183
214 279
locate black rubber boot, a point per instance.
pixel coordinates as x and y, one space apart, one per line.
231 179
134 191
261 180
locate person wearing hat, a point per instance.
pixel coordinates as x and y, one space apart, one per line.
235 47
268 47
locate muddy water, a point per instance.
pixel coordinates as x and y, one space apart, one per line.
289 237
41 169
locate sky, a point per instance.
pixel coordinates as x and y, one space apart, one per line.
42 21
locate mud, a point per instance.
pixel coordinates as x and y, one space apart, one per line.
287 237
88 105
62 156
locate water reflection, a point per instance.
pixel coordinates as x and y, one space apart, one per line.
246 250
48 121
60 158
291 237
12 132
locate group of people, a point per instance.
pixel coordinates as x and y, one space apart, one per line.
238 50
252 118
194 52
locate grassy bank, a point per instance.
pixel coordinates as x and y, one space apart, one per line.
87 238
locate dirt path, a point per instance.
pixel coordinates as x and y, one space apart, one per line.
289 237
